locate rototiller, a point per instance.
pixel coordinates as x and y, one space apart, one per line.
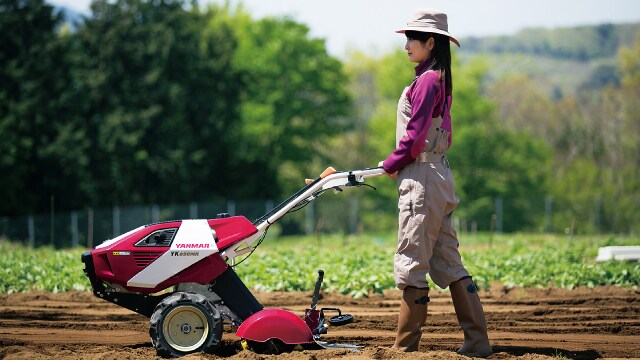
178 274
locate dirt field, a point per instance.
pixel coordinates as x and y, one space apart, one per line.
523 324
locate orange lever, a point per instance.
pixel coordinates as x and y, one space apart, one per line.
328 171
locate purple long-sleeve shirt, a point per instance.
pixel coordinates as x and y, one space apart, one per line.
426 96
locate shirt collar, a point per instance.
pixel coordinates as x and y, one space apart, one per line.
422 67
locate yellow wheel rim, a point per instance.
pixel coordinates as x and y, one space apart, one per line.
185 328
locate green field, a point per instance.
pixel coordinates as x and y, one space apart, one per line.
360 265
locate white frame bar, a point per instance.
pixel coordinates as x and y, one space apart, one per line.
334 181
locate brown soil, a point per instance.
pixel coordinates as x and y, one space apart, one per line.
523 323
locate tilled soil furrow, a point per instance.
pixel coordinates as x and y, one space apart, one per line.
594 323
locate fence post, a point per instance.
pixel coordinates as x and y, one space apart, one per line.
474 231
598 213
548 208
231 207
193 210
74 229
90 228
155 213
492 228
353 218
309 219
116 221
32 231
52 224
499 214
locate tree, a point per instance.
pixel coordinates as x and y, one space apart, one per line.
492 158
43 148
523 106
493 163
159 97
295 99
597 157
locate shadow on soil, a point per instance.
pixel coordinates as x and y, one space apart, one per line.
226 348
557 353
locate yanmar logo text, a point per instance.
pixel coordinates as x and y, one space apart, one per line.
192 246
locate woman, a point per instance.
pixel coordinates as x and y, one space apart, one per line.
427 242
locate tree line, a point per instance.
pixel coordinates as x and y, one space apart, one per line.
167 101
582 43
157 101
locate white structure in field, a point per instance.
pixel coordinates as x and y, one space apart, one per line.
626 253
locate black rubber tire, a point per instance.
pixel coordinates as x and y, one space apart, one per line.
339 320
171 312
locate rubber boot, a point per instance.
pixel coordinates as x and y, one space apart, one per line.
413 315
471 318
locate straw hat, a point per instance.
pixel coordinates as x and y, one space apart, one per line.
429 20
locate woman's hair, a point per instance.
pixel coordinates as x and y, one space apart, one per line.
440 57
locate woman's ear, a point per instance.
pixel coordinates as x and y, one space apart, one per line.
431 42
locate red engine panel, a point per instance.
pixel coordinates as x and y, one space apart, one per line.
120 261
231 230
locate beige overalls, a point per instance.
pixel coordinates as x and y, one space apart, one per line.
427 242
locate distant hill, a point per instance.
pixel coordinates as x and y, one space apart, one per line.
564 60
583 43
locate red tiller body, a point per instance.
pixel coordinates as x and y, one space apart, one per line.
177 273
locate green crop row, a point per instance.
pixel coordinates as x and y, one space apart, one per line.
349 270
24 269
551 267
358 266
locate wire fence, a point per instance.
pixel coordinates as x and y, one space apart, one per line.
344 214
90 227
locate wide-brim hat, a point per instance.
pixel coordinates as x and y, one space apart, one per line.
431 21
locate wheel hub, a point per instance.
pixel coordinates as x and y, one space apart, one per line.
186 328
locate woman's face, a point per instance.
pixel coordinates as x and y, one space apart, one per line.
417 50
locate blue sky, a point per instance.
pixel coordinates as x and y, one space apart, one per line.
369 25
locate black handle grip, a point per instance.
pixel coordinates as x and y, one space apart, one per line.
316 291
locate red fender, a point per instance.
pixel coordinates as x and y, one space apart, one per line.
279 324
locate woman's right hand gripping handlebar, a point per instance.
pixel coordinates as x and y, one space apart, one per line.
393 176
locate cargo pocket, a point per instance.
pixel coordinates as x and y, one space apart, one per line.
406 190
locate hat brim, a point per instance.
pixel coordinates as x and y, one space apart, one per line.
422 29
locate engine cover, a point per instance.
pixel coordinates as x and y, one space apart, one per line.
154 257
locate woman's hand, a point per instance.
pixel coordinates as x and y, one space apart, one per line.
393 176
